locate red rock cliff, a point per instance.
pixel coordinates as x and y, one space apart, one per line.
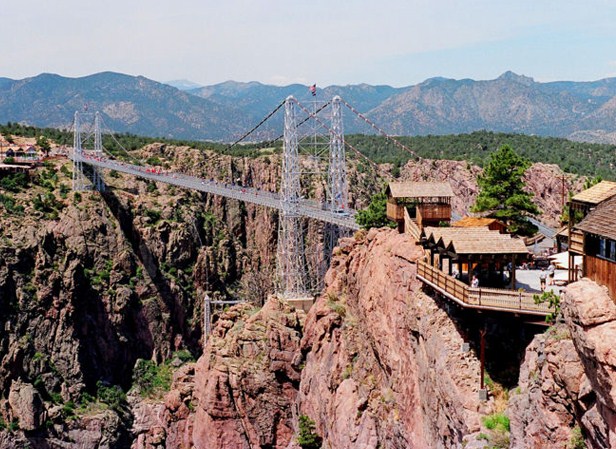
383 363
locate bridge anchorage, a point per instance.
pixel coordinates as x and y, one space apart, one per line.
295 281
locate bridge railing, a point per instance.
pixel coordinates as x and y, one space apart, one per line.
480 297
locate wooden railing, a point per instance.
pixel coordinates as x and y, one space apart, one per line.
480 297
410 227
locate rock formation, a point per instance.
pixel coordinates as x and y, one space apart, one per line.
246 380
383 363
566 392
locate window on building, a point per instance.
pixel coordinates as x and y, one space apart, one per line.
603 247
613 249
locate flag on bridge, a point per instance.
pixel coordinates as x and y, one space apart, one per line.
313 90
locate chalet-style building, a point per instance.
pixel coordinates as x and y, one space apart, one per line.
414 205
598 231
579 207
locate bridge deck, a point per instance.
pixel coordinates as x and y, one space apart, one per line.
306 208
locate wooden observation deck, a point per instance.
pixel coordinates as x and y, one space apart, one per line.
480 297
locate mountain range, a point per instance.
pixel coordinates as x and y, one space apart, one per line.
223 112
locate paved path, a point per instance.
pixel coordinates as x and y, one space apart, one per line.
529 280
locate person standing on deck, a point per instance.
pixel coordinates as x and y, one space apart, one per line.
551 269
542 276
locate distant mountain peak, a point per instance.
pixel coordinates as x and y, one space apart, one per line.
511 76
183 84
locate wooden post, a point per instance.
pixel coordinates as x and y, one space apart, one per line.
513 272
482 355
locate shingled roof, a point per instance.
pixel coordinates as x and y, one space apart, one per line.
475 240
601 221
597 193
420 190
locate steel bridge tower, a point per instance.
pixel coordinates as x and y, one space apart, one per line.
339 201
80 180
97 177
292 276
337 183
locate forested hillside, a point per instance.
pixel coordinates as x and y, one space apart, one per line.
573 157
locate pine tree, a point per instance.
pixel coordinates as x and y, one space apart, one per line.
375 215
502 192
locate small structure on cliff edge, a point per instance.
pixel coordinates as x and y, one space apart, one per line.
599 244
474 222
414 205
579 207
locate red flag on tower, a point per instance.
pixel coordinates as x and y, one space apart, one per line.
313 90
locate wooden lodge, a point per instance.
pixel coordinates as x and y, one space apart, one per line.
598 231
414 205
579 207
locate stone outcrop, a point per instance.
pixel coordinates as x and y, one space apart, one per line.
567 379
167 423
383 363
246 382
26 406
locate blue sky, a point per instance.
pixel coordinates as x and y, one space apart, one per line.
393 42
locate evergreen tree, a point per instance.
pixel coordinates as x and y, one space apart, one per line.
502 192
375 215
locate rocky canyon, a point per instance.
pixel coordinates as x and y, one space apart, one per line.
102 345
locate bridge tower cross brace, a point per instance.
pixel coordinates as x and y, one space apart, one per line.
292 276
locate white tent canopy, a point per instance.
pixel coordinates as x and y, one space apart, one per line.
561 260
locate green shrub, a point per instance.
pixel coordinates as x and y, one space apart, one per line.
184 355
112 395
576 441
153 214
11 205
152 380
15 182
497 421
308 438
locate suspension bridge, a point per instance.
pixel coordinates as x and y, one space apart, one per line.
294 208
291 267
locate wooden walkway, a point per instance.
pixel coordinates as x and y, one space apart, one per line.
512 301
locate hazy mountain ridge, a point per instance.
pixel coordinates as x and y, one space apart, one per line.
509 103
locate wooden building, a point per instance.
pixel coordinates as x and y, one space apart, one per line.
422 203
598 231
579 207
475 251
